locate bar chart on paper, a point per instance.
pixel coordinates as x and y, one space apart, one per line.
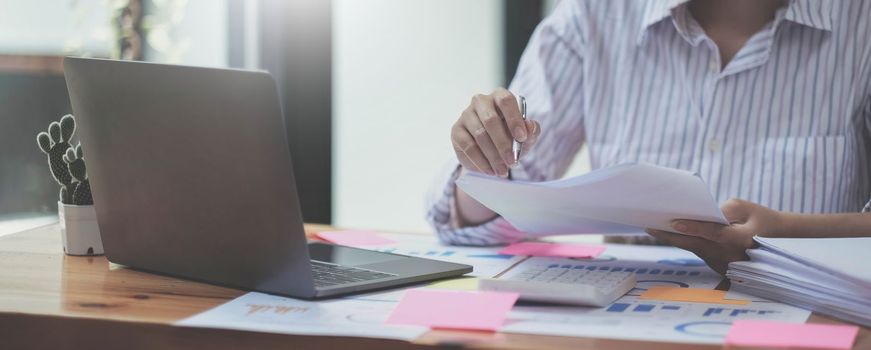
643 319
632 318
627 306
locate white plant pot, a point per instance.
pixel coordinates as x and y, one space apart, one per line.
78 226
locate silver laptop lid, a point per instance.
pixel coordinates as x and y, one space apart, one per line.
190 172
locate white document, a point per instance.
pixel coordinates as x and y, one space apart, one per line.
828 275
840 257
646 320
260 312
622 199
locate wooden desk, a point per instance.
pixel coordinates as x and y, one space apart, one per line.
50 300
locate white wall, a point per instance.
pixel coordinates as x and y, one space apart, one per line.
402 73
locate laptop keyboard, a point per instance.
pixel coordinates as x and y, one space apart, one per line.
329 274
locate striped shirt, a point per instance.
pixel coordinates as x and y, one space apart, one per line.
784 124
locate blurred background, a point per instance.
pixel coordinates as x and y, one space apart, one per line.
370 88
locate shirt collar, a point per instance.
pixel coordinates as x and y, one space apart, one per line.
812 13
656 11
817 14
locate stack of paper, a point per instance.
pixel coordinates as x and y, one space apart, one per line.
827 275
622 199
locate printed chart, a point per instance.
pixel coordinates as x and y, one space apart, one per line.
632 318
339 317
627 318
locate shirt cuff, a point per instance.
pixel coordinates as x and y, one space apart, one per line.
442 211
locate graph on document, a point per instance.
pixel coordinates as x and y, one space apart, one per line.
632 318
629 305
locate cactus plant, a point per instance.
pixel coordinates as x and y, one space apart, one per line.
76 163
68 169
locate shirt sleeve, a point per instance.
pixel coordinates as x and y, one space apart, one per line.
867 207
550 77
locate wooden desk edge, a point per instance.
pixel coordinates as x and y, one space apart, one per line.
27 329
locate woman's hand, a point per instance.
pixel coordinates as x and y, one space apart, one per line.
483 135
719 244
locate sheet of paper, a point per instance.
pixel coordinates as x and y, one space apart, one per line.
632 318
482 311
836 256
355 238
617 200
696 295
566 250
752 333
260 312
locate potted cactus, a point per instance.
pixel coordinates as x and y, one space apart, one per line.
78 219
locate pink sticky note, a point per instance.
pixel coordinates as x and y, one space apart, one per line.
564 250
438 308
355 238
754 333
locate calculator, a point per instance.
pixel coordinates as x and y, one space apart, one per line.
553 284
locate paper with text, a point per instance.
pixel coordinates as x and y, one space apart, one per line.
260 312
637 319
622 199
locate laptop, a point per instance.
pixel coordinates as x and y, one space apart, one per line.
191 177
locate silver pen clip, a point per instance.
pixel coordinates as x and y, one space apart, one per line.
517 146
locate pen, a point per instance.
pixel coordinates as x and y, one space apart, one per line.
516 146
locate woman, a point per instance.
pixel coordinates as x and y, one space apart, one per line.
768 100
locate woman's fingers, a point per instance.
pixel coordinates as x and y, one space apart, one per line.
509 109
482 138
708 230
468 153
484 135
496 127
535 132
